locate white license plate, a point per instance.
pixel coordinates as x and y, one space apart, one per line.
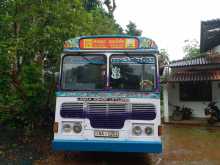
103 133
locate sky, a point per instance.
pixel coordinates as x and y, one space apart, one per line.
168 22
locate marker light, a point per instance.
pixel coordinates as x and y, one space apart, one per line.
160 130
55 127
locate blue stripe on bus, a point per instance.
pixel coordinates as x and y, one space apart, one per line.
108 146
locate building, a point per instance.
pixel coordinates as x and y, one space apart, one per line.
195 82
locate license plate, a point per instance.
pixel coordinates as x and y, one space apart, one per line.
110 134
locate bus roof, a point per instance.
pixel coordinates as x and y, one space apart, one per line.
110 43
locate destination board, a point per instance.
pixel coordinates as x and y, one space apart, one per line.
109 43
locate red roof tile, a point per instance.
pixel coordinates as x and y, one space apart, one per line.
194 76
203 60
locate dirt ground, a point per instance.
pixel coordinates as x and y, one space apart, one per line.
183 145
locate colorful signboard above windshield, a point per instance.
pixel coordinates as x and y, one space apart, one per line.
109 43
100 42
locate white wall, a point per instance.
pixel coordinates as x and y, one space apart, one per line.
198 107
217 49
216 92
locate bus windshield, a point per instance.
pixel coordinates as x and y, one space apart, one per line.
84 72
132 72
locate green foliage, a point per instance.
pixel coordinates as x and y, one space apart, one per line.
32 31
91 4
191 49
131 29
163 58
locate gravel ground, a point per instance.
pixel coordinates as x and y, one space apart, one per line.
183 145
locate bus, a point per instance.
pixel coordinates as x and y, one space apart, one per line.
108 95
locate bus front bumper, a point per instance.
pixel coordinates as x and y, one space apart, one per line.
108 146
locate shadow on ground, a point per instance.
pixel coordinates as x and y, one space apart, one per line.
183 145
98 158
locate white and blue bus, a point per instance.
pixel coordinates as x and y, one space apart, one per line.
108 96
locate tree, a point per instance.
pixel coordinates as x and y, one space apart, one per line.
111 6
103 23
91 4
32 31
163 58
191 49
131 29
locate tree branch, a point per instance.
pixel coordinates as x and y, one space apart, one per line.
111 8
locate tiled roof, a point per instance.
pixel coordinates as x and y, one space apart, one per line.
194 76
210 34
203 60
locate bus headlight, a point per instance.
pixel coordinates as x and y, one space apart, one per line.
142 129
77 127
67 128
148 130
136 130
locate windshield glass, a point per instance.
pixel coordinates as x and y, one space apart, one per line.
84 72
132 72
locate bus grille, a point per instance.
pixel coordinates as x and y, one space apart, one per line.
108 115
72 110
143 112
